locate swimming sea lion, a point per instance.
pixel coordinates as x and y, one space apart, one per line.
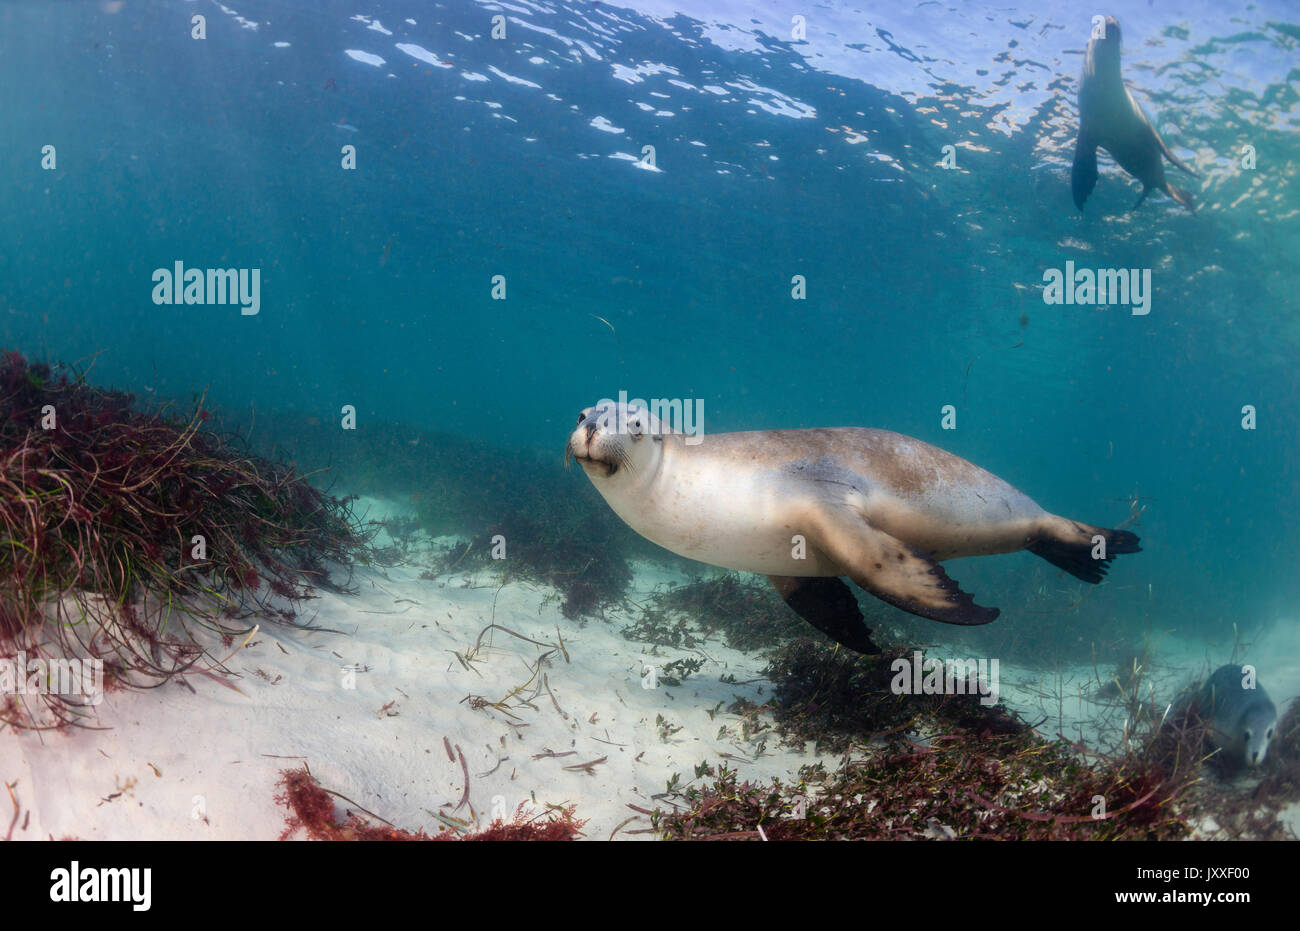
1109 117
807 506
1244 719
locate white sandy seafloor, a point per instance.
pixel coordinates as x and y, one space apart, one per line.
372 711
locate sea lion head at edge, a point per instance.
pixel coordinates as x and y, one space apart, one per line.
1244 719
1104 50
1257 726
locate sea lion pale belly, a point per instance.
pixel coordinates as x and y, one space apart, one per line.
1110 118
880 508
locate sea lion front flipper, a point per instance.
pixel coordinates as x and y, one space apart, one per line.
893 571
1083 177
827 604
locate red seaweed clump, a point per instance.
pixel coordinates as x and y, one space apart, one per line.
311 810
961 786
919 766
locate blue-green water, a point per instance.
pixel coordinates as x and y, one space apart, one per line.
774 157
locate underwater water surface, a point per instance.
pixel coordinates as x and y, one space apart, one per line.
472 220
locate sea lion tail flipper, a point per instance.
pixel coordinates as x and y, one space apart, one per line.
1083 177
893 571
827 604
1082 550
1181 196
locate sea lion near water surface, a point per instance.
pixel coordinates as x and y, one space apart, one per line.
1109 117
805 507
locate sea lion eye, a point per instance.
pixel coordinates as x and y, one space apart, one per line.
1249 733
580 417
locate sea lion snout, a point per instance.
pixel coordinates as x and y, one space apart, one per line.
1103 49
580 441
1257 732
599 441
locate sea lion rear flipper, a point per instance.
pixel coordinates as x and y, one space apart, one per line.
1083 177
1070 545
1141 197
1174 159
1181 196
827 604
893 571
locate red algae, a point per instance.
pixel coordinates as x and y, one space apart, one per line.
311 810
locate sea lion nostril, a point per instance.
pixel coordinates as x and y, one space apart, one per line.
591 431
